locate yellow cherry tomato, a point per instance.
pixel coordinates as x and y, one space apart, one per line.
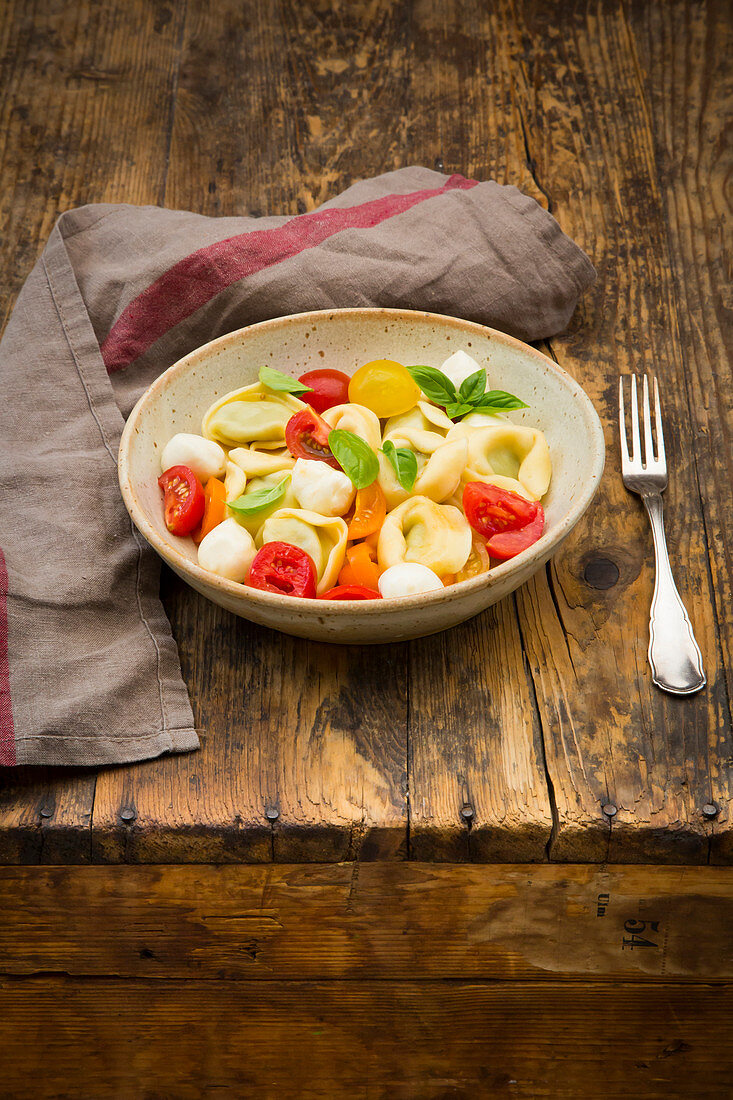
385 387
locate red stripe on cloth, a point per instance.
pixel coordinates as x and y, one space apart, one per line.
198 278
7 729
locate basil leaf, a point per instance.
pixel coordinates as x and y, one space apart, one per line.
404 463
251 503
501 400
472 388
459 409
282 383
354 456
434 384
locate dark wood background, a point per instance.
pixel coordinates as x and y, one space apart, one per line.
505 738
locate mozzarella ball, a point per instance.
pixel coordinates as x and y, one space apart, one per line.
459 366
321 489
408 579
203 456
228 550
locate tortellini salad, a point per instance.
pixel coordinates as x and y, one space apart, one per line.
396 481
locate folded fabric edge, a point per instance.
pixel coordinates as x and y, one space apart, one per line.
41 751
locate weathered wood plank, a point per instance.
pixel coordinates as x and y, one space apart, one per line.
368 920
304 748
683 52
476 774
610 737
359 1039
73 79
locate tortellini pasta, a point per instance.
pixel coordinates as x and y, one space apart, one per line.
435 535
507 451
323 538
438 477
357 419
423 429
256 463
253 413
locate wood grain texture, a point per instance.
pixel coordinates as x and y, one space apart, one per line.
365 1040
370 921
609 736
501 740
69 73
683 52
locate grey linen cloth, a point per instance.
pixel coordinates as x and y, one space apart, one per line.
89 670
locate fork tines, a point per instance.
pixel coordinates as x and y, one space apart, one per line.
650 458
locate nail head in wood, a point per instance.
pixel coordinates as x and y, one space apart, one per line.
46 812
127 814
467 811
710 810
272 814
610 810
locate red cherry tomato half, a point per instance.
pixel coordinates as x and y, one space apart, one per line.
507 521
283 568
330 388
507 544
306 435
184 499
350 592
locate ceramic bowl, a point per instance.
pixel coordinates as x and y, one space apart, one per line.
345 339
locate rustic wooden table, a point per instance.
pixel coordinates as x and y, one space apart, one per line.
384 779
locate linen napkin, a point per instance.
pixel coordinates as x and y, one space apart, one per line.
89 670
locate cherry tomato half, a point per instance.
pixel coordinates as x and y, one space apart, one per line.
507 544
507 521
283 568
369 511
306 435
330 388
385 387
350 592
184 499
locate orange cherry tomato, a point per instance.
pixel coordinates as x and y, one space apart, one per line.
385 387
369 512
449 578
215 508
359 567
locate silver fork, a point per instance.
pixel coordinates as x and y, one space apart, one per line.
673 652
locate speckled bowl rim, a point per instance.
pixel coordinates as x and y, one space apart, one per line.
536 554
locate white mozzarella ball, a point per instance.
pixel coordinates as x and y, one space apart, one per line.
408 579
228 550
205 457
321 489
459 366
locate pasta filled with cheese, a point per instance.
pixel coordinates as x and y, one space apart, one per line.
357 419
423 428
508 451
253 413
435 535
322 538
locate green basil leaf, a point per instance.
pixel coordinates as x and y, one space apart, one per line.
354 456
282 383
404 463
434 384
251 503
472 388
456 410
499 400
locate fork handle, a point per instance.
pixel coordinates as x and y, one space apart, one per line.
674 655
